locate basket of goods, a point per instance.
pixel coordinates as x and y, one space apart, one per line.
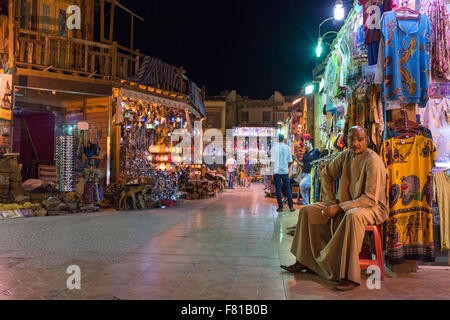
38 210
4 186
52 204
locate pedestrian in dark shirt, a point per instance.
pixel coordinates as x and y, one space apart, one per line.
310 156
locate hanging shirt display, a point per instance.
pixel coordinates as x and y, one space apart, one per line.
406 58
410 194
442 182
436 117
372 32
440 33
365 110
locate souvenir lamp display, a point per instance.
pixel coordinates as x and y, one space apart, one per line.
150 176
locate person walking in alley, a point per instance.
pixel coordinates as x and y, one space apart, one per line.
329 235
231 170
308 158
281 158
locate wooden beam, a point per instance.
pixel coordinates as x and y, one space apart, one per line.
12 35
132 33
121 6
111 22
102 20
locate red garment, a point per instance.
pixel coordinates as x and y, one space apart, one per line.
374 35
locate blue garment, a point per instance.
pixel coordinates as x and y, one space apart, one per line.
372 52
281 157
285 188
407 58
305 186
231 179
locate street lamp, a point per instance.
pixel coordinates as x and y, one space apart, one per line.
339 11
319 48
309 89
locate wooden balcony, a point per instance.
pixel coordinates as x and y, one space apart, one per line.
73 56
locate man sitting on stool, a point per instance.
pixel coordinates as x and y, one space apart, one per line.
329 235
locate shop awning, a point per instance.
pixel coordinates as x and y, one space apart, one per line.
75 87
153 99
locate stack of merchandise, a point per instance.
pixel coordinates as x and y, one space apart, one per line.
66 153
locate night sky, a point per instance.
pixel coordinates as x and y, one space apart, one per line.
252 46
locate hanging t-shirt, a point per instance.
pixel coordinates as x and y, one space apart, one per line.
406 58
410 195
436 117
442 182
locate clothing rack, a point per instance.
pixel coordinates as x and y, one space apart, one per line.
326 159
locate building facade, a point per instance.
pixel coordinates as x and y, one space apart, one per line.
230 109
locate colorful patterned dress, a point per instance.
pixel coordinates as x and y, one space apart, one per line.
406 58
410 196
437 11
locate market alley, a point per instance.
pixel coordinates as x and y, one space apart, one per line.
229 247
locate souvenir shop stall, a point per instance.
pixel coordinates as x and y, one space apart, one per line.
298 125
397 89
148 172
153 171
51 162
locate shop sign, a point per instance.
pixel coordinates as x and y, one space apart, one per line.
83 126
5 90
253 132
5 114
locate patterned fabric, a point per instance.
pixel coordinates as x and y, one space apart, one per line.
406 58
365 110
423 131
154 72
436 116
442 182
436 10
373 35
410 195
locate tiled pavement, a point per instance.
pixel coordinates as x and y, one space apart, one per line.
230 247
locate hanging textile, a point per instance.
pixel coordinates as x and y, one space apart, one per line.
406 58
372 33
365 109
196 98
154 72
410 194
436 10
316 171
436 116
442 196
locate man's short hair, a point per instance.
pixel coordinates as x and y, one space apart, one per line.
280 138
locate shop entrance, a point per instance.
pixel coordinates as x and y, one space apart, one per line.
41 115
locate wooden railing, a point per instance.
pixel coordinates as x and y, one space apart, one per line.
49 52
74 56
